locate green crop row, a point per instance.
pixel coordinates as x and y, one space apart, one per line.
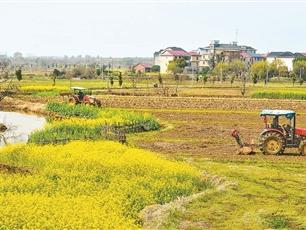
67 110
90 123
280 95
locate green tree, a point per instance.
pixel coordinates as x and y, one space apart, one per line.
237 67
204 74
299 68
155 68
232 79
293 77
56 73
221 70
177 65
98 72
18 74
259 70
160 79
254 79
111 79
120 80
276 68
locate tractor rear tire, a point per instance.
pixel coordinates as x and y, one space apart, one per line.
72 101
272 143
302 147
97 103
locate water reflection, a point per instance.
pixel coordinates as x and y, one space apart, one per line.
19 126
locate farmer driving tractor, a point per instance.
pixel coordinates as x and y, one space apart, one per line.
82 96
275 137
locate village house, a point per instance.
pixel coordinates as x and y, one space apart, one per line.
163 57
286 57
142 68
194 59
217 51
250 58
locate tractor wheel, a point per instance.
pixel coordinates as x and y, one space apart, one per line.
72 101
302 147
272 143
97 103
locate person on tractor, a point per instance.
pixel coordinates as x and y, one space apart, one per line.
80 95
275 123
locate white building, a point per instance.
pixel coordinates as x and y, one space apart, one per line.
286 57
163 57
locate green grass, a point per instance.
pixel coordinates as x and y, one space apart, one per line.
263 195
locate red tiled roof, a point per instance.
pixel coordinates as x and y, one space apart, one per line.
144 65
177 53
194 53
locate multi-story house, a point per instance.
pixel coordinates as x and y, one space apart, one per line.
286 57
163 57
216 52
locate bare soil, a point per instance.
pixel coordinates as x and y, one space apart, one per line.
206 133
200 103
13 169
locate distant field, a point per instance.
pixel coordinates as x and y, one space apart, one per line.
170 87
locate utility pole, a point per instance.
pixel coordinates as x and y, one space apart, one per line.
267 77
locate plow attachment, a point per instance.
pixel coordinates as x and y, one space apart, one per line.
244 148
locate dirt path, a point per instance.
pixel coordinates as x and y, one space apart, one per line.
21 105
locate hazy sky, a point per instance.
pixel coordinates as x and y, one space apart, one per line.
138 28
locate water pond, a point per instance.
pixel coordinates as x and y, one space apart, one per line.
19 126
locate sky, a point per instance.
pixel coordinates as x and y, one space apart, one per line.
135 28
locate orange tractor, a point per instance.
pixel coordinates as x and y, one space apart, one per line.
276 137
82 96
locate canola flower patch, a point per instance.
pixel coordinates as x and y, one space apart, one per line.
88 185
84 122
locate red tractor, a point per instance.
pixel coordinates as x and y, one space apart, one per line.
82 96
275 136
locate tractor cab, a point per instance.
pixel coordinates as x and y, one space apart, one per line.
280 132
80 91
83 96
282 121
